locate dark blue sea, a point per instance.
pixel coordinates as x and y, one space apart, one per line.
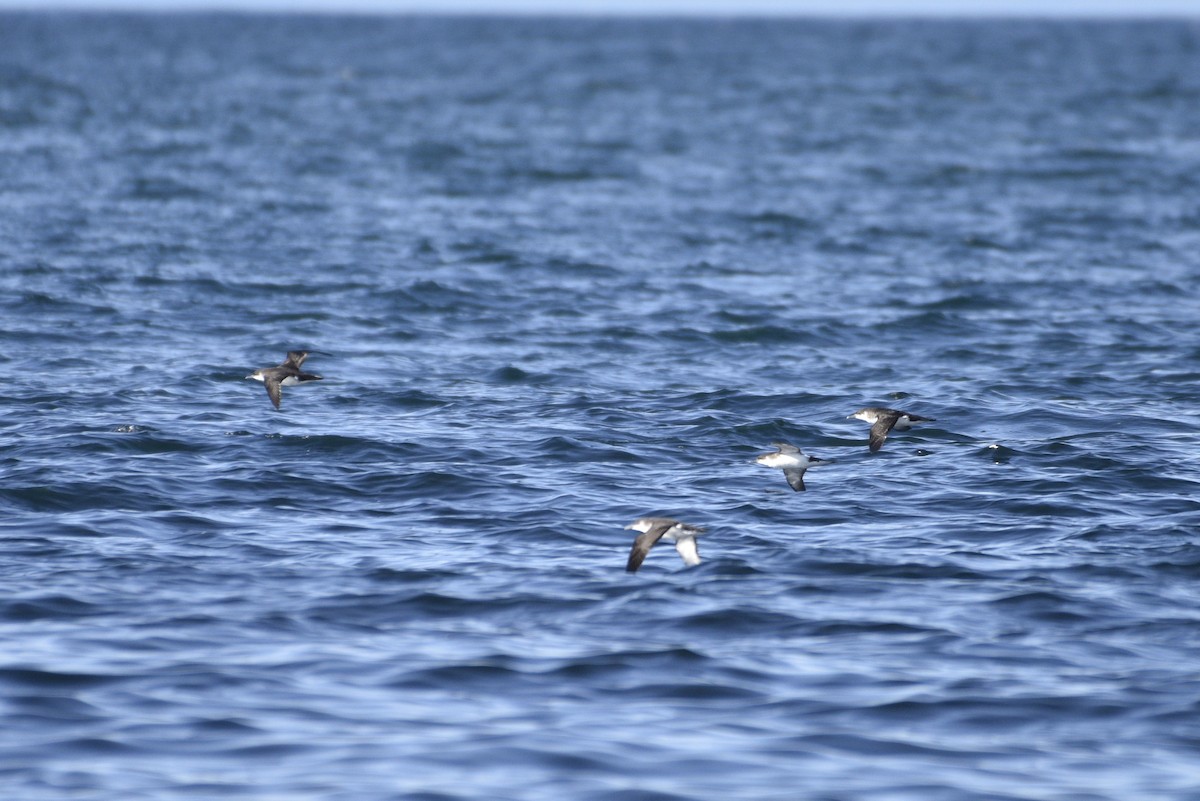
566 273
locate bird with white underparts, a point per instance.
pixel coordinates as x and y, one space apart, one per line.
793 461
653 529
884 421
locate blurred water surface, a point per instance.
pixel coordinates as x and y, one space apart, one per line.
570 272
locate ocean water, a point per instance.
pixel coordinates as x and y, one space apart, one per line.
569 272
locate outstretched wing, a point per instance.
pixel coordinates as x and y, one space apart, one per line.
272 385
643 544
295 358
786 447
879 431
687 549
795 478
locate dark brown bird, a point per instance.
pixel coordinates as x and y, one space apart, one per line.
654 529
287 374
884 420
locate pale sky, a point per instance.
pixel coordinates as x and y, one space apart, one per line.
1189 8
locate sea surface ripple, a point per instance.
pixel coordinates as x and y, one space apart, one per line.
569 272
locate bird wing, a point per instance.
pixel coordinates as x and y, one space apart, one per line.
879 431
295 358
307 377
272 385
643 544
687 549
795 478
786 447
